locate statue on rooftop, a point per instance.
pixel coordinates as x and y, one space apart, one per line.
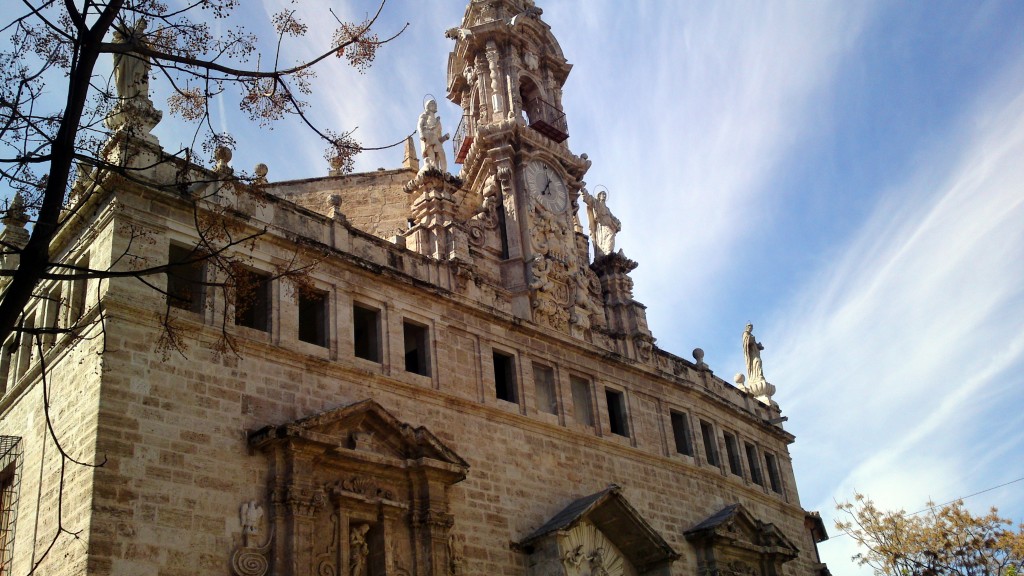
131 71
432 138
603 224
752 354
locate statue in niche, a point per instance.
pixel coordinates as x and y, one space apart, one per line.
432 138
359 550
752 354
596 559
603 224
131 72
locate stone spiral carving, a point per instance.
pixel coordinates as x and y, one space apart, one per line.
250 559
249 562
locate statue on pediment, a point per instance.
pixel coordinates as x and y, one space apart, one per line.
432 138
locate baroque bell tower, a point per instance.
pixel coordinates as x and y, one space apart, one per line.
506 72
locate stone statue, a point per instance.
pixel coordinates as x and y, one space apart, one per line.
752 354
432 138
358 549
603 224
250 514
131 71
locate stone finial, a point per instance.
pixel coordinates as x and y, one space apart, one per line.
16 215
739 379
335 202
261 171
410 160
337 166
698 355
222 155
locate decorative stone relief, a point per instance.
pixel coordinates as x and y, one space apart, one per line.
455 554
250 559
734 542
531 60
344 504
590 553
358 549
597 535
493 59
486 216
550 275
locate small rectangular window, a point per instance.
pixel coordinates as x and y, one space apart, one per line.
710 450
773 472
581 400
79 291
252 300
51 317
417 348
185 278
681 433
732 450
7 353
544 384
504 377
753 462
313 316
26 346
366 332
10 479
617 421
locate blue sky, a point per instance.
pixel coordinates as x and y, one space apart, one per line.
848 176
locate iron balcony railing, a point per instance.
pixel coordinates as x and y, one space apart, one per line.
463 139
547 119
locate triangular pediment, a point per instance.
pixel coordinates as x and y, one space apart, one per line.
610 513
363 427
734 526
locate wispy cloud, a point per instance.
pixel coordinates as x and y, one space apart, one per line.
910 341
688 126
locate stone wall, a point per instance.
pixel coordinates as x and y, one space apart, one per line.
374 202
187 467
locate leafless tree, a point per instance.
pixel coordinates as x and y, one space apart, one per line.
63 119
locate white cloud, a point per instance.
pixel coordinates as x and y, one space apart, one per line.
688 112
906 352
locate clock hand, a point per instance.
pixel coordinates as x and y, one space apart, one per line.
544 192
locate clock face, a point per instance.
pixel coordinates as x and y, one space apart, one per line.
544 183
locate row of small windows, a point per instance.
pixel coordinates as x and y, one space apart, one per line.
681 434
253 310
60 310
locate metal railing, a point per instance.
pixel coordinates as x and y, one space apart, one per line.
547 119
463 139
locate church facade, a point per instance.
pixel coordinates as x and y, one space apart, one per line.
427 373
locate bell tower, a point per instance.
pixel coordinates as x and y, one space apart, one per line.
506 72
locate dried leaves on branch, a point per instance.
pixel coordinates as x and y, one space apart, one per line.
59 109
943 540
63 112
